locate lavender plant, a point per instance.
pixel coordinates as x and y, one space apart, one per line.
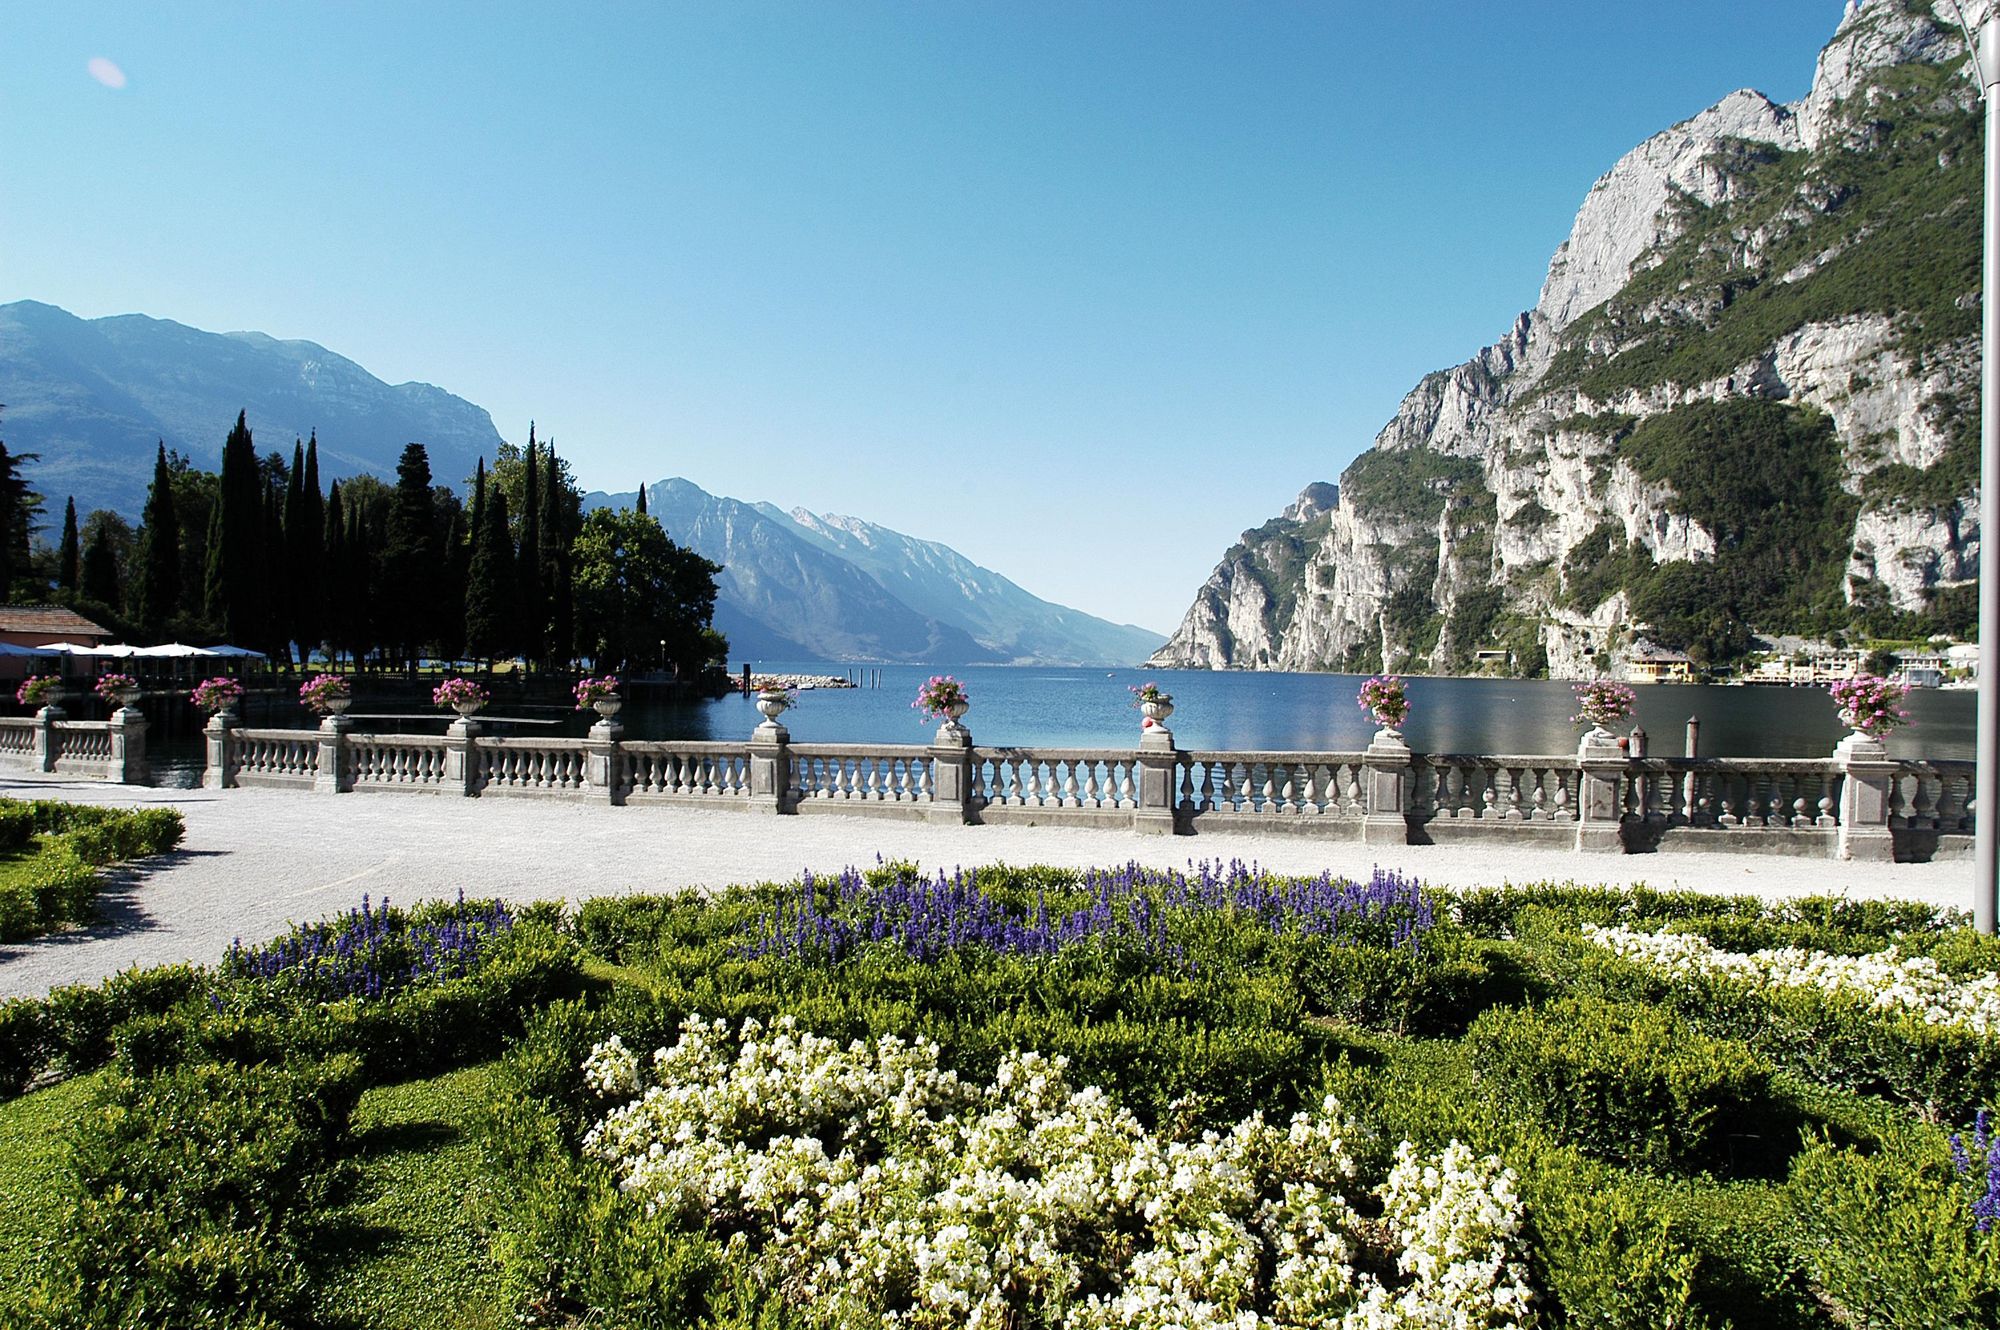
374 951
1980 1167
1141 908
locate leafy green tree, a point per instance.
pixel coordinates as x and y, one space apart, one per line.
159 588
69 559
636 589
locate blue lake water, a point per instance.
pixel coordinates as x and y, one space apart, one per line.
1091 708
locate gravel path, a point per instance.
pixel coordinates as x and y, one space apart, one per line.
255 861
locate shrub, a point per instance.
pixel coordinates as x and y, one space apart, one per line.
1627 1083
1891 1238
17 824
24 1043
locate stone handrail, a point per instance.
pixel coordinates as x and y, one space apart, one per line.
113 750
1859 803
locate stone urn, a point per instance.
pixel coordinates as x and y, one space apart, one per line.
956 711
1598 741
773 704
336 706
467 710
607 707
126 698
1156 713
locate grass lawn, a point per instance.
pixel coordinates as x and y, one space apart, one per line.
416 1256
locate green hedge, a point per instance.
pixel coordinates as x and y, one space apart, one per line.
58 884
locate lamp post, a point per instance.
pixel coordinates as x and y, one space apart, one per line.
1986 836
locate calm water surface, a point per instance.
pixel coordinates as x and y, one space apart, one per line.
1090 708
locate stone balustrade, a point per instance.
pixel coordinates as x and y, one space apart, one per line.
48 742
1858 804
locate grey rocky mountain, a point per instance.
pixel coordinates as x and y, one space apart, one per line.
1745 399
94 397
804 586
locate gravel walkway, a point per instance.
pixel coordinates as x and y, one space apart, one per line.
255 861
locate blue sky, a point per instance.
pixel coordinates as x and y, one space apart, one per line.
1083 290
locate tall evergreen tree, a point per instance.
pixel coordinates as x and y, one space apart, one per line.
333 552
642 499
287 605
409 608
490 623
449 625
308 589
159 589
273 621
556 539
69 556
100 573
234 586
19 506
530 596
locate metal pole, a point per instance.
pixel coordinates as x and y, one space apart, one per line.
1986 836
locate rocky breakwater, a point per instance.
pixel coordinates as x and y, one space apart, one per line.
1746 400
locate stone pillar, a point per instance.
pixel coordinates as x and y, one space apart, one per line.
602 770
951 775
218 774
460 771
1867 772
332 777
1159 763
48 746
1600 796
1392 775
128 746
771 768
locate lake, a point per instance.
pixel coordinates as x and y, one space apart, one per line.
1029 706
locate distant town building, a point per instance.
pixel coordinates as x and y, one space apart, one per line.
1646 662
1819 667
24 627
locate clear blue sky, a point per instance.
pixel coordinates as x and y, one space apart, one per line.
1083 290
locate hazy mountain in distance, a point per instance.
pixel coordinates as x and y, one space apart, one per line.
95 396
803 586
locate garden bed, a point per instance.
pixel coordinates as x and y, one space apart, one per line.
1027 1097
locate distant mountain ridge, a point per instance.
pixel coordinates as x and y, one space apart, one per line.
95 396
806 585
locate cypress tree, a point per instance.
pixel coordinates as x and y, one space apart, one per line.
455 567
18 508
333 553
68 556
233 584
273 626
489 583
532 633
159 553
287 605
642 499
308 589
410 558
100 569
556 538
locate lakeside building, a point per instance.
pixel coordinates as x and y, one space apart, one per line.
1821 667
1646 662
25 628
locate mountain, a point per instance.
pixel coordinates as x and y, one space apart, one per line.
800 585
95 396
1746 399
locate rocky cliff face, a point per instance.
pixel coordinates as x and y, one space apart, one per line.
1746 399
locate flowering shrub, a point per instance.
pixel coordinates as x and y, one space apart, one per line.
374 951
1130 906
322 690
457 693
1602 702
1883 981
109 686
1981 1168
37 690
1384 698
217 693
1870 705
589 692
866 1184
939 694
